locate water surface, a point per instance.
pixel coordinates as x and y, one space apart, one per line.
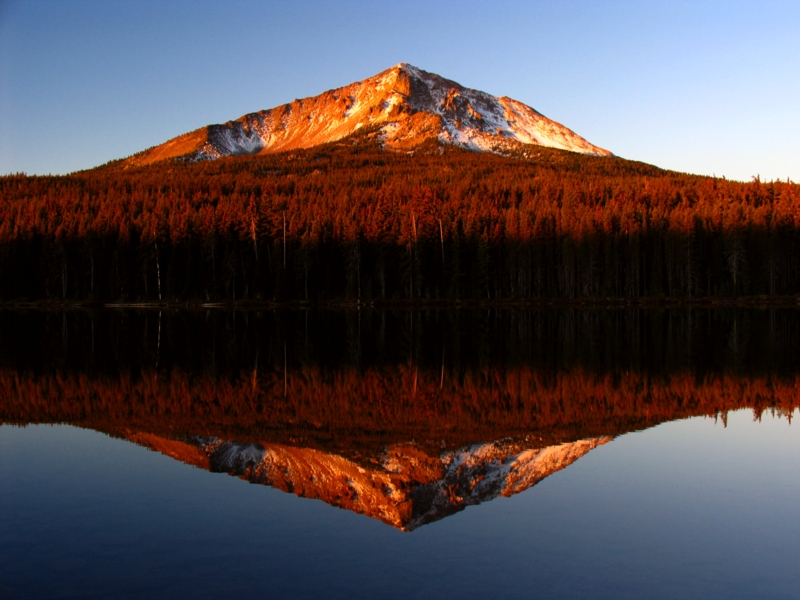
555 454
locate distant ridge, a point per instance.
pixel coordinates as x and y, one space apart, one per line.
404 104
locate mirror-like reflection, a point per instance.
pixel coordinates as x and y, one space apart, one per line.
653 340
404 486
404 416
659 444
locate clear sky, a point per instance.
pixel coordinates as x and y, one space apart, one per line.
710 87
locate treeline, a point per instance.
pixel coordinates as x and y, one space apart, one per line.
349 221
373 377
384 405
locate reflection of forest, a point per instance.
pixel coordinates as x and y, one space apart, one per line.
221 342
351 408
405 416
348 379
400 444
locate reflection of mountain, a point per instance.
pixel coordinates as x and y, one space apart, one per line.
325 406
404 486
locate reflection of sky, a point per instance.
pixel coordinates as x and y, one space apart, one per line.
685 509
705 87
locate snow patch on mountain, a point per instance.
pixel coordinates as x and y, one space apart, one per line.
404 487
409 106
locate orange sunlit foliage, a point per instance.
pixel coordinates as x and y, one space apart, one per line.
349 220
400 401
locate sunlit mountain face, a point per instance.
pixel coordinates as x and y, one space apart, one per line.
404 416
402 107
404 485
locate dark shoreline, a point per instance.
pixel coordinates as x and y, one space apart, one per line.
532 303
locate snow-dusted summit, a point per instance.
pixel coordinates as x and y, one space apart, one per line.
404 486
405 104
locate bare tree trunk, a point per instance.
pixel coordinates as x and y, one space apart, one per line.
158 273
441 240
254 236
358 269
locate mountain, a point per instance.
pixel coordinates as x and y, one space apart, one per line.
405 486
404 105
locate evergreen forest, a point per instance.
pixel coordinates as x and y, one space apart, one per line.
351 222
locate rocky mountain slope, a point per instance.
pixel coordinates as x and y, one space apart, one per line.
404 105
404 487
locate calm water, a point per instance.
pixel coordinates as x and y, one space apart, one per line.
552 454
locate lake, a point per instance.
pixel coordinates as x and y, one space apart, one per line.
481 452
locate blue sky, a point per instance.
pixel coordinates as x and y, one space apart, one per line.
710 87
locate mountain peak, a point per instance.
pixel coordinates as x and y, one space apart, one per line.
404 487
407 106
